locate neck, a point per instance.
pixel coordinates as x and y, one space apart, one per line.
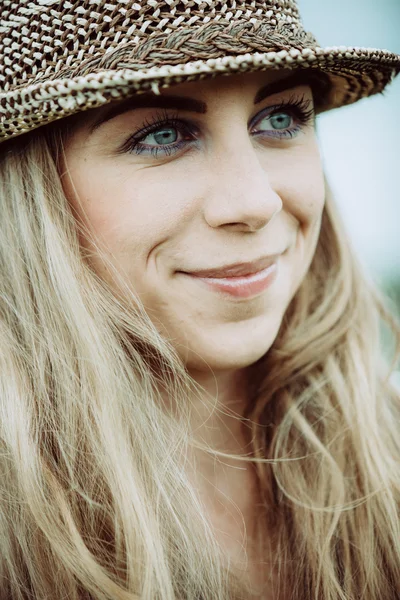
217 411
228 487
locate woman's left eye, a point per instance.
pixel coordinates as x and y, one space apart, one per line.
169 134
286 120
279 121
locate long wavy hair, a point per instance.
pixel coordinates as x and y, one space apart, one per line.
95 501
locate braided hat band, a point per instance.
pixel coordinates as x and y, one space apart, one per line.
60 57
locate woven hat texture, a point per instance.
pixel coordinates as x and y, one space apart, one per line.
61 57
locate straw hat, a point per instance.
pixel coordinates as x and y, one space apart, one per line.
59 57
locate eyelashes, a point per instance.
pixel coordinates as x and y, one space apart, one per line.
299 109
159 121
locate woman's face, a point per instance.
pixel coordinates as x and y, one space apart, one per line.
229 176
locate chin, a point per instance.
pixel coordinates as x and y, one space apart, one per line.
226 354
219 364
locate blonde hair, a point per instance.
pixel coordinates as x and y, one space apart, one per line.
95 503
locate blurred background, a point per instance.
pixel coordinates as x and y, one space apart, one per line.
361 143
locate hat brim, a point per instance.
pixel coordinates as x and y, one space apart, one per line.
354 73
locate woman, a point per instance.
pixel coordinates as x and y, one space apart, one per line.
194 399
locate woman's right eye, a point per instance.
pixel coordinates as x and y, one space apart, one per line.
161 136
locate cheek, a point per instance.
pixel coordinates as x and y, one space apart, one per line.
128 209
301 185
306 204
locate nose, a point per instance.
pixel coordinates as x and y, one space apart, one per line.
239 194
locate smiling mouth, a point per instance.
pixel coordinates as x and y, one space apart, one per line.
240 286
238 269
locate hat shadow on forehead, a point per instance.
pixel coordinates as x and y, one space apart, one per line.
59 58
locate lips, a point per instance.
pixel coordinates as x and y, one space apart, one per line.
238 269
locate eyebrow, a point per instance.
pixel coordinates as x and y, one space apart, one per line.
190 104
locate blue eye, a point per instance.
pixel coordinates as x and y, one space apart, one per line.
162 135
164 132
286 120
278 125
280 121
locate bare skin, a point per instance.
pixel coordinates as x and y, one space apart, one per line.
247 183
229 491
